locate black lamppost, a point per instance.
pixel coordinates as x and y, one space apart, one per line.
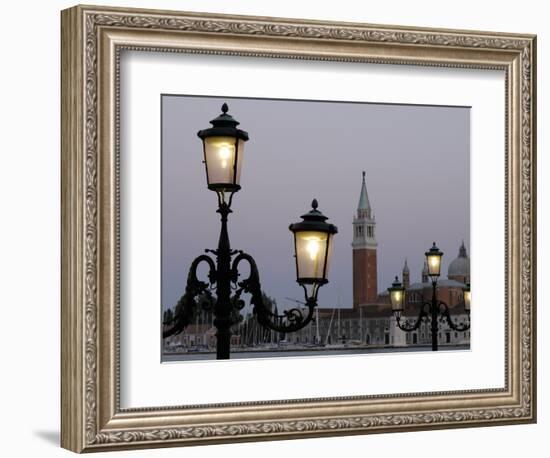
223 146
429 310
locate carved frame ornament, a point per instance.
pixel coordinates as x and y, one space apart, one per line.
92 38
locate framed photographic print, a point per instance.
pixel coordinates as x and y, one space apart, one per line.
325 144
278 228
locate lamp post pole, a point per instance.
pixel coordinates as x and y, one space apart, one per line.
434 321
223 146
222 309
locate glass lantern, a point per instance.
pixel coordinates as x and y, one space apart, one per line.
313 247
223 146
467 297
433 258
397 296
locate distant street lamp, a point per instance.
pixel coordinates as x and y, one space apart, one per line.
223 147
428 310
467 297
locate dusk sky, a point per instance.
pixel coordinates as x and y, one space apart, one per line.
417 164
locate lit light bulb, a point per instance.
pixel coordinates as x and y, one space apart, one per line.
224 154
467 299
312 248
433 261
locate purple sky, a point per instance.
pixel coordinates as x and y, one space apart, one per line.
417 163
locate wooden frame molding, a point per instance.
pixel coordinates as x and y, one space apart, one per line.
92 39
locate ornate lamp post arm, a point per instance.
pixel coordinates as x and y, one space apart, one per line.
187 304
444 309
224 275
409 328
290 321
220 275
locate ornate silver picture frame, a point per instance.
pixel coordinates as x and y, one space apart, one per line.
93 39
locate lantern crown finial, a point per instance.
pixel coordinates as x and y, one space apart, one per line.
434 250
396 283
224 125
314 220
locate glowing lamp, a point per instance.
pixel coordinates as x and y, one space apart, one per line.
433 258
223 146
397 296
467 297
313 247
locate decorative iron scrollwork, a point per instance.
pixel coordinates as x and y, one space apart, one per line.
444 310
187 305
289 321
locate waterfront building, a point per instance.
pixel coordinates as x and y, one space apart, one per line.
370 320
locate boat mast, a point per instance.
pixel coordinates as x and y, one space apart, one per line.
330 325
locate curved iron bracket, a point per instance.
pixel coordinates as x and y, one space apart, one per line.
444 310
290 321
405 325
187 303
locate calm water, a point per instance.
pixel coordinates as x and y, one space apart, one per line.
314 353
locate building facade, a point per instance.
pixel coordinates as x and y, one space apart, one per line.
370 321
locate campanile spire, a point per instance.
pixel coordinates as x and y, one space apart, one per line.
364 250
363 207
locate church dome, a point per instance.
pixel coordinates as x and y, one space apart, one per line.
460 266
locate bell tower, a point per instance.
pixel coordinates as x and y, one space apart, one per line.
365 288
406 275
